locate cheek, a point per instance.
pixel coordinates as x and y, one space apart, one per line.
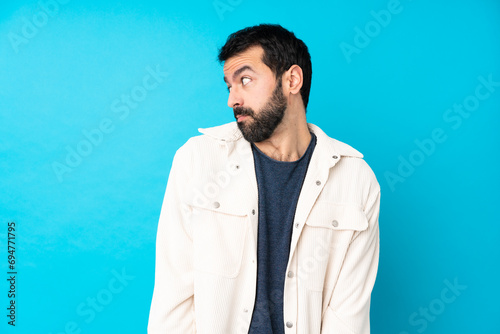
261 97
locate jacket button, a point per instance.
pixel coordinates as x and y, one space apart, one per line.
289 324
253 212
290 274
216 204
335 223
318 182
297 225
335 157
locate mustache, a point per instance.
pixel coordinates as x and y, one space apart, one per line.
241 111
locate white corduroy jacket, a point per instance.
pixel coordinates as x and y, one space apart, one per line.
206 247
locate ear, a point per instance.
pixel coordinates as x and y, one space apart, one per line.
293 79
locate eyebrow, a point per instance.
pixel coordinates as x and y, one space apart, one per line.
239 71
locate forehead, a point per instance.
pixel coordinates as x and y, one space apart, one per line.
251 57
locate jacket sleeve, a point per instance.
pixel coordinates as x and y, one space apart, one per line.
172 307
348 311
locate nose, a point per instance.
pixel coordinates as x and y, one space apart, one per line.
234 99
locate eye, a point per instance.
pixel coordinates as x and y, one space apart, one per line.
243 80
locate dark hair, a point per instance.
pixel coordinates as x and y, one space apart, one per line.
281 50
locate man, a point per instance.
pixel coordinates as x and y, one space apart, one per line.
268 225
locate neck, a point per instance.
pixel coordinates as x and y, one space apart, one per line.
290 139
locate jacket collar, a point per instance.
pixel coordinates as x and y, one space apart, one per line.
230 132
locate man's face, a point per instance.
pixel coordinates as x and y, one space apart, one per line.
256 97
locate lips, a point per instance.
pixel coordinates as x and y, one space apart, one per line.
241 113
240 118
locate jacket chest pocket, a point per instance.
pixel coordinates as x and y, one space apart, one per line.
325 239
218 240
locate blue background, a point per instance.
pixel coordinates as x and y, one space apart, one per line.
78 230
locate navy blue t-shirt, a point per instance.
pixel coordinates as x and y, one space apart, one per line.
279 184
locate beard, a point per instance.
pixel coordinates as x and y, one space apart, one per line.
260 127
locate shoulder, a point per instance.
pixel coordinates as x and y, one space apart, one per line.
351 165
208 149
210 136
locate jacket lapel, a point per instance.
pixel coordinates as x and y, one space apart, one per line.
242 187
